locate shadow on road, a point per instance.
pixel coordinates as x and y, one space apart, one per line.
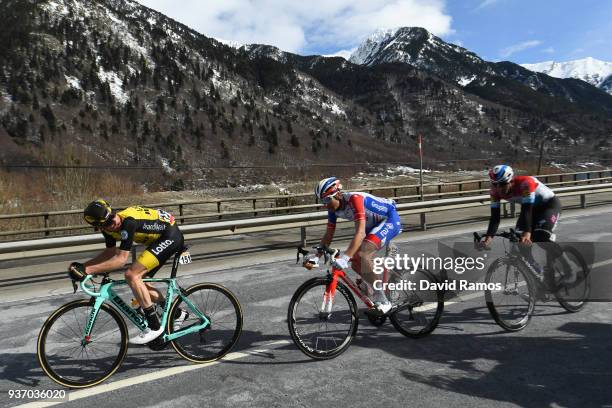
572 369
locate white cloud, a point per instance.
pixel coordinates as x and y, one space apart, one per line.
513 49
549 50
297 26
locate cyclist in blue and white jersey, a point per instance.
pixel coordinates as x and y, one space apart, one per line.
376 224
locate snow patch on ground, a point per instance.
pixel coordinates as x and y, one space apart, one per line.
465 81
115 83
73 82
165 163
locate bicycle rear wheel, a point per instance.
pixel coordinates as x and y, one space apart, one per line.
572 296
418 311
322 335
72 361
512 301
221 308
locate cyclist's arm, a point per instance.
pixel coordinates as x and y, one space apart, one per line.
115 262
328 237
331 229
495 218
360 235
528 188
105 255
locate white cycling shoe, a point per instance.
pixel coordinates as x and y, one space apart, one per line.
146 336
178 322
381 303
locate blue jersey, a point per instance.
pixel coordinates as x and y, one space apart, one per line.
362 206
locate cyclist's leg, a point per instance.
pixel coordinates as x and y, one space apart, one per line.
149 262
377 238
545 221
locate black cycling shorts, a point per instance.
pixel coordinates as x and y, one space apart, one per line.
545 219
160 250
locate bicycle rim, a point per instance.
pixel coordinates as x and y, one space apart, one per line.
322 336
221 308
512 303
419 311
573 296
63 357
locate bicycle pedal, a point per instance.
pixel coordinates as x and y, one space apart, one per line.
158 344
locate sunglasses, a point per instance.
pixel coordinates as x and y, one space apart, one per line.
497 183
327 200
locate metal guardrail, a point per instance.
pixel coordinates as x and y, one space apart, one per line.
80 243
182 217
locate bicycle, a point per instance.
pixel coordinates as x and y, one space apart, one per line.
315 306
85 341
519 284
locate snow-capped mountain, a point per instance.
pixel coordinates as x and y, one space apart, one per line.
596 72
504 81
418 47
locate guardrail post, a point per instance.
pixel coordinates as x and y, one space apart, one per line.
513 209
181 213
219 208
439 190
46 225
480 185
575 178
254 207
505 207
583 201
461 188
394 192
303 236
423 222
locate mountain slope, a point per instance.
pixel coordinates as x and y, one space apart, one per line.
129 86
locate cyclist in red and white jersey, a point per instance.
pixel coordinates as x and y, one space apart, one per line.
540 210
376 223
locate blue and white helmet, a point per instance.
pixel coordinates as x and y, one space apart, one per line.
501 174
327 187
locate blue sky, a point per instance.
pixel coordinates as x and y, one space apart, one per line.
538 29
522 31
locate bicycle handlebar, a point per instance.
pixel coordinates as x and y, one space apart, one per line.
86 288
511 235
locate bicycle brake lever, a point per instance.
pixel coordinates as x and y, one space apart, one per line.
74 286
300 251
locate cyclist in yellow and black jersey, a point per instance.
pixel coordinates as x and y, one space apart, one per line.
154 228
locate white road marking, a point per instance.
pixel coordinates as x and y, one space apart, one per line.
156 375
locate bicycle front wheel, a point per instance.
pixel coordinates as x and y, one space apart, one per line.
220 307
572 295
322 335
418 311
72 360
510 295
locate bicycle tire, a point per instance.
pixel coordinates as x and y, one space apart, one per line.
54 368
208 344
562 293
496 311
408 327
304 343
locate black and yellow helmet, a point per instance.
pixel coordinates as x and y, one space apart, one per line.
97 213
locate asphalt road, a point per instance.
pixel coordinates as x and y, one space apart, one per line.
560 359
